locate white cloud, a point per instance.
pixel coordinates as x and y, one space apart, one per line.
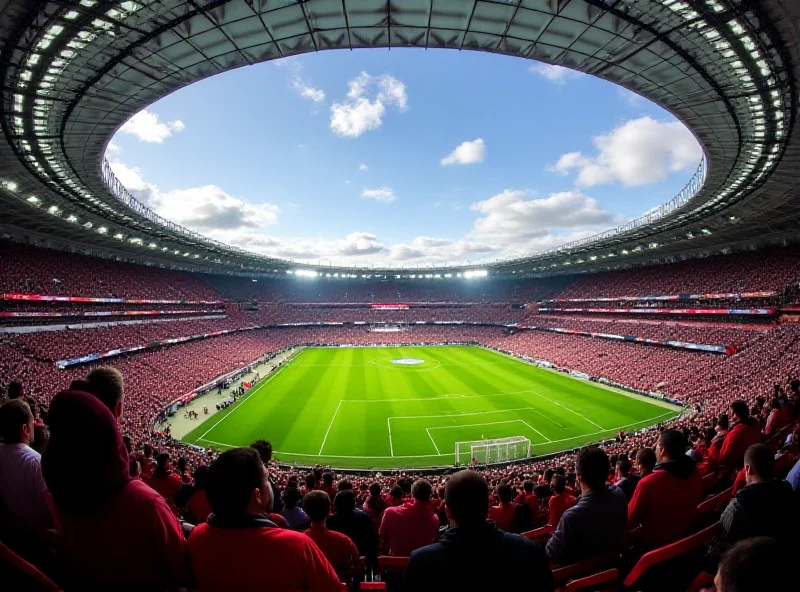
354 247
383 194
365 107
639 152
207 209
466 153
306 90
148 127
401 252
112 148
362 167
556 74
514 217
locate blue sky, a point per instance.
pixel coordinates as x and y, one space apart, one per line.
402 157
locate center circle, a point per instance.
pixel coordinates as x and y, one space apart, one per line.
407 361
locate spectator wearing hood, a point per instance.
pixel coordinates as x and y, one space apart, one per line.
744 432
765 506
665 501
106 518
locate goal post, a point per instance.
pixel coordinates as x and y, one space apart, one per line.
492 451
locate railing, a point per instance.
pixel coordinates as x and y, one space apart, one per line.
689 191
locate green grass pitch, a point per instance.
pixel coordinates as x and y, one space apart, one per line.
355 408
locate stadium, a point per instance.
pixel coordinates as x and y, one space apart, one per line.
619 401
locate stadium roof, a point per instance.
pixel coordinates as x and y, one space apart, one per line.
74 72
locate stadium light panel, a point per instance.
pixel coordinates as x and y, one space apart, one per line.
33 199
476 273
305 273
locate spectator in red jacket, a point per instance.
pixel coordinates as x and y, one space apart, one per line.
239 549
665 501
337 547
529 497
412 525
163 480
326 484
743 433
375 505
503 514
105 518
778 417
560 501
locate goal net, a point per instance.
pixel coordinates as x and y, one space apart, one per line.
492 451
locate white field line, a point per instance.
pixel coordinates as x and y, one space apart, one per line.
570 410
440 455
433 441
464 414
472 425
330 425
389 425
444 396
241 403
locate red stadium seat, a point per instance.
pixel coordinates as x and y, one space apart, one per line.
608 581
562 575
676 549
18 572
714 503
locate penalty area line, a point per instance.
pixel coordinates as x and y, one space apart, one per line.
330 425
433 441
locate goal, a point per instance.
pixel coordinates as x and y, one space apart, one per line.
492 451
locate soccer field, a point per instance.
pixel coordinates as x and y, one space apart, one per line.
397 407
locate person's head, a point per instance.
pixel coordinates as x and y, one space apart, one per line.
548 475
527 486
345 501
739 410
183 464
162 463
504 493
106 384
723 423
16 422
147 450
421 490
623 467
15 390
264 450
80 384
291 497
311 481
238 485
756 564
396 492
592 468
317 505
775 404
375 489
759 464
327 478
646 461
79 420
671 445
558 483
343 485
466 498
134 468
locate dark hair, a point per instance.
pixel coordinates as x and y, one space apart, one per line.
624 465
15 390
466 495
344 485
291 497
504 492
646 458
106 384
231 481
14 414
396 492
559 483
723 421
421 490
760 458
592 466
345 501
375 489
527 485
327 477
200 477
264 449
739 409
311 481
673 443
161 462
317 505
80 384
756 564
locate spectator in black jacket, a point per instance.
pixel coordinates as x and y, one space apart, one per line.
354 523
596 523
625 481
499 560
757 565
765 507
